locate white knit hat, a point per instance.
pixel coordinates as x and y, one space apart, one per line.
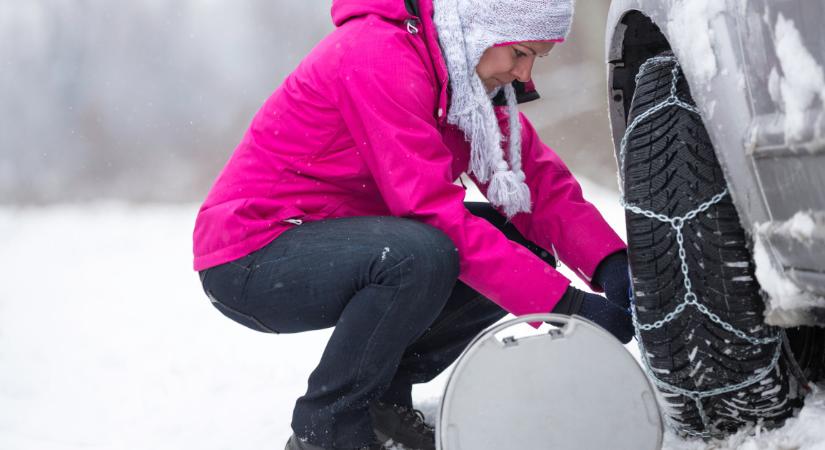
466 28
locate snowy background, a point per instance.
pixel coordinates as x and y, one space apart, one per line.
115 118
144 100
108 342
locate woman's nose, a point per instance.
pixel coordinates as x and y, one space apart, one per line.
522 70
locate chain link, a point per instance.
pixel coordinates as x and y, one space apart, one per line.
690 298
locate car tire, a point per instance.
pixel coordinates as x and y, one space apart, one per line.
669 168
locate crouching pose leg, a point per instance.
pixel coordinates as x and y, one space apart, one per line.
380 281
389 287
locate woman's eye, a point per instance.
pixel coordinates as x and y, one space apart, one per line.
519 53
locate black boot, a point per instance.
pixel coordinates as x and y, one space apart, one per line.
295 443
403 425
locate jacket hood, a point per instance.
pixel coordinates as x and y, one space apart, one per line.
399 10
343 10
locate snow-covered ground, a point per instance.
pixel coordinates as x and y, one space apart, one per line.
107 342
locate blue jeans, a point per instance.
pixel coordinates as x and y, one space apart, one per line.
389 287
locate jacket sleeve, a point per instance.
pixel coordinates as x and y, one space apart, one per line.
387 99
561 220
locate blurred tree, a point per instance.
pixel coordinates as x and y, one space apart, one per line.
146 100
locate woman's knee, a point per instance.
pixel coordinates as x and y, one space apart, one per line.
434 247
424 249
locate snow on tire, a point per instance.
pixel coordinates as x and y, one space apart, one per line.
720 368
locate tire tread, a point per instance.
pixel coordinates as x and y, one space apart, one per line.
671 168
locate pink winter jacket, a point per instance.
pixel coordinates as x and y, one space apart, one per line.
359 129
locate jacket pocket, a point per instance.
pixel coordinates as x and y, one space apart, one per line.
296 216
292 214
288 214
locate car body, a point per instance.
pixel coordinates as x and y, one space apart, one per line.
755 70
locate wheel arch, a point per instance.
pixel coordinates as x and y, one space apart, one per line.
640 29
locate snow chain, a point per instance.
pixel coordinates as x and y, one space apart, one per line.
690 299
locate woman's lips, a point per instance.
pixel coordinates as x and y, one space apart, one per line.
500 83
493 83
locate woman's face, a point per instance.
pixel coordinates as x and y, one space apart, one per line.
499 66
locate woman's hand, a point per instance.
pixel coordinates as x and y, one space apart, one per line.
596 308
613 276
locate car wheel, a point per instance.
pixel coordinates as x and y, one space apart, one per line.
697 304
808 347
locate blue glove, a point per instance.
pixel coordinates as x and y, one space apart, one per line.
613 276
617 321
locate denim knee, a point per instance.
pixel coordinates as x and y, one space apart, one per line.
428 254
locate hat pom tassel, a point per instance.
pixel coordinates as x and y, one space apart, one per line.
508 190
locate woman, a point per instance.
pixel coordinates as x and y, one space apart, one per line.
338 209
